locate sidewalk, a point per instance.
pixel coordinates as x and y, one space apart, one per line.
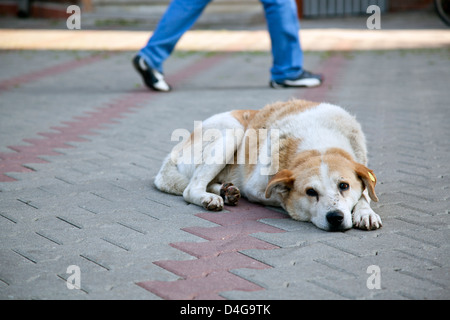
81 139
399 31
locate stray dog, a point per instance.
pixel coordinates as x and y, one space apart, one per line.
306 157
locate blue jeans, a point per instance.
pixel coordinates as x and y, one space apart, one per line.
282 22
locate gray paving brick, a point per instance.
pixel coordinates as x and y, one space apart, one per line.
95 206
305 233
302 290
289 256
283 277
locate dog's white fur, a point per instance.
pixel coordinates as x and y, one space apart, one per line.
321 148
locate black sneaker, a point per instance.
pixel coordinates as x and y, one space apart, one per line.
152 78
306 79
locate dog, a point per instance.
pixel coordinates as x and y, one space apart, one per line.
308 158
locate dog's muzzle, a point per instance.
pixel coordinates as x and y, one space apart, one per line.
335 220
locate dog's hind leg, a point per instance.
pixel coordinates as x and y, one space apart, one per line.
217 153
169 179
196 191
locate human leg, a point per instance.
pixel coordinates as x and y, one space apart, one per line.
283 26
178 18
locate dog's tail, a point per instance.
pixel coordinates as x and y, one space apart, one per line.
169 179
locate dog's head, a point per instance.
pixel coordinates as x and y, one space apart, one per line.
323 188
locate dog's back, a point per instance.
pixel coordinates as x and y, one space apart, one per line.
319 126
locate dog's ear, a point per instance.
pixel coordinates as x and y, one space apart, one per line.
368 178
282 182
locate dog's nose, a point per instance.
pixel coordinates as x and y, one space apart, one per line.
335 218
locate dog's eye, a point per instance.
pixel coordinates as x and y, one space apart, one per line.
343 186
311 192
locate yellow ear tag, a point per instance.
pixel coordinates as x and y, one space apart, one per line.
371 177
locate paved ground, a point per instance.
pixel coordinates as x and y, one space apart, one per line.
81 139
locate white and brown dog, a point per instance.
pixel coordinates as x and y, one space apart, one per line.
309 158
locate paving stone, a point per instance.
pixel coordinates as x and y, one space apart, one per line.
302 290
86 153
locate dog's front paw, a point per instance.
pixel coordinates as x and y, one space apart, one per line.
366 219
230 194
212 202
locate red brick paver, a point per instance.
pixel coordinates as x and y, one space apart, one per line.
207 276
70 131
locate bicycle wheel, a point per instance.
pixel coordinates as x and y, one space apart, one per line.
443 10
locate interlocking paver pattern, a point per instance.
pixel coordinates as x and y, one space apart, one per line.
81 140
